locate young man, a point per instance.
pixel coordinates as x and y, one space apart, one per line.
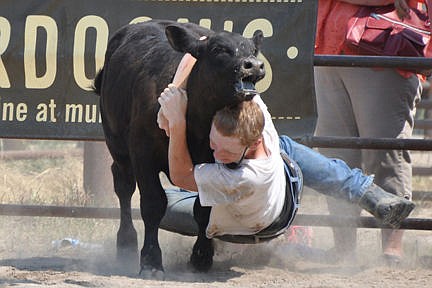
244 200
248 199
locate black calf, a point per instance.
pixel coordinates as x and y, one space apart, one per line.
140 62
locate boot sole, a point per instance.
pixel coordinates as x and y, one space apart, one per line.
397 212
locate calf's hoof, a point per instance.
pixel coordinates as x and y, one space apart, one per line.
202 255
127 244
127 259
152 273
151 263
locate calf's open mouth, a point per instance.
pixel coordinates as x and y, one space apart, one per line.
245 89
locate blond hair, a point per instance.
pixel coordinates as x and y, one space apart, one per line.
244 121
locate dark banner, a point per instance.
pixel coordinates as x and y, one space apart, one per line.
51 49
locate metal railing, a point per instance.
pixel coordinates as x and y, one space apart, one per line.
113 213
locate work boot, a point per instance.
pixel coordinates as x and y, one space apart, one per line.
389 209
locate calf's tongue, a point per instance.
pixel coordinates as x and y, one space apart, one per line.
246 88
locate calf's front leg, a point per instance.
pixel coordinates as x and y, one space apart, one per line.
203 249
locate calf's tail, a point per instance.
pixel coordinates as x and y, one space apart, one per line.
97 83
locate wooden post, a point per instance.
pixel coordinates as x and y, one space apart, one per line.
98 180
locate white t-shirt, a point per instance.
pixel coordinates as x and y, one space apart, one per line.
246 200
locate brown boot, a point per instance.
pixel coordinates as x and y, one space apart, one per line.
389 209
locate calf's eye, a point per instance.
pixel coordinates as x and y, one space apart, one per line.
220 50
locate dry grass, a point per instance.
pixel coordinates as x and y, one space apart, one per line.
43 181
56 182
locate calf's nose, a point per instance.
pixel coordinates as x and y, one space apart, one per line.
253 67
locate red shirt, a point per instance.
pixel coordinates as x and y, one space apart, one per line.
333 16
331 26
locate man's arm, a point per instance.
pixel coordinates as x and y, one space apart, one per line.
173 103
369 2
401 6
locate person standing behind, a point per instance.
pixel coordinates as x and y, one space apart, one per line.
364 102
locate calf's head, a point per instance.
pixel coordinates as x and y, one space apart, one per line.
227 67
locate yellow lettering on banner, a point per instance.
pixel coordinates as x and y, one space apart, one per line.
74 113
140 19
5 31
102 34
42 114
228 25
33 22
52 107
78 113
206 23
91 114
8 110
9 113
21 113
43 111
267 28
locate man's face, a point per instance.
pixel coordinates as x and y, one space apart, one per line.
225 149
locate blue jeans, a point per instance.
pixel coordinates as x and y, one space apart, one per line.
328 176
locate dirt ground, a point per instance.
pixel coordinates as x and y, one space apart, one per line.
30 258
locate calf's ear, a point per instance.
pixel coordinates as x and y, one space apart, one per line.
258 39
183 40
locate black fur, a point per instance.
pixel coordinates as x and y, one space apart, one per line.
140 62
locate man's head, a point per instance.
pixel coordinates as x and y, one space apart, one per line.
235 129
